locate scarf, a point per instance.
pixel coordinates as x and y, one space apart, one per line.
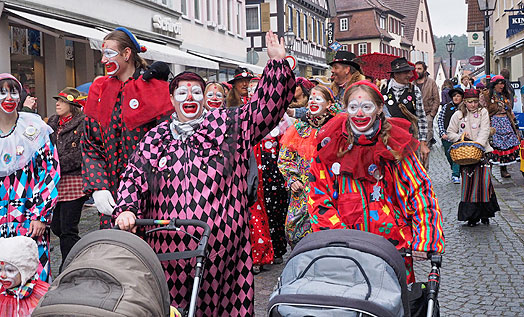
183 130
398 89
64 120
318 121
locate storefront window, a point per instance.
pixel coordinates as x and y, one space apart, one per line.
27 62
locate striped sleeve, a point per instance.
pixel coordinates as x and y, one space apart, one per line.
419 202
322 210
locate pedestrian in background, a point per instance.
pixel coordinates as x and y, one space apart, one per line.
298 148
478 200
344 72
120 109
444 95
465 82
238 95
29 173
506 140
403 99
68 126
456 95
297 109
430 100
366 176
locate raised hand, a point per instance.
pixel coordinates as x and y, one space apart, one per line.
275 49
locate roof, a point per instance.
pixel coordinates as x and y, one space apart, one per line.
410 9
364 25
357 5
475 17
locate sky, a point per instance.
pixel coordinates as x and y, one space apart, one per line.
448 16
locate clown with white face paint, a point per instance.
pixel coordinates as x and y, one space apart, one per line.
298 148
28 171
20 289
366 175
9 97
120 109
214 96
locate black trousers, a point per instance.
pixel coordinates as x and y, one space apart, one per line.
64 225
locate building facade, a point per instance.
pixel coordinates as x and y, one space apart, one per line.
364 27
418 29
53 44
216 30
307 20
508 43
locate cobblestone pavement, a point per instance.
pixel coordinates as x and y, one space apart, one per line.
483 269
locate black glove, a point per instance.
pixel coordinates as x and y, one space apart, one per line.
157 70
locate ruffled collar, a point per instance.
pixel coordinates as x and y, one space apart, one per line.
357 159
21 292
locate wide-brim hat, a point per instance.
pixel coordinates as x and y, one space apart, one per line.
400 65
345 57
241 73
71 96
453 91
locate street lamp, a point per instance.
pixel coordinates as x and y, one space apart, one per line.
289 38
450 45
487 6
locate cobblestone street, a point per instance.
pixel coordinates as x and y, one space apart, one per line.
483 267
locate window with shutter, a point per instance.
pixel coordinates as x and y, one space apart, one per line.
252 17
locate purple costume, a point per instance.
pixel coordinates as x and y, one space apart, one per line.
205 177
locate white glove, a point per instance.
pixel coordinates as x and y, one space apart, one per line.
104 201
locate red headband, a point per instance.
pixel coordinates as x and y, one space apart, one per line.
367 83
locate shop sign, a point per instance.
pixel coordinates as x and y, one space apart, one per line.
516 24
330 33
475 39
161 23
476 60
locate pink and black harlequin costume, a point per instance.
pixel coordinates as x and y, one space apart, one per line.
205 177
118 115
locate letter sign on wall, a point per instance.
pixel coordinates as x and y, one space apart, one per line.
166 24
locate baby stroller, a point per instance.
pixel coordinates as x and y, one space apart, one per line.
346 273
115 273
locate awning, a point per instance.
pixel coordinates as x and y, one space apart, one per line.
168 54
254 68
36 22
155 51
510 47
305 61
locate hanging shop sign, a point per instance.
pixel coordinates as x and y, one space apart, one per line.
516 24
330 33
476 60
475 39
165 24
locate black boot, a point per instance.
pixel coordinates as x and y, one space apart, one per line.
504 172
485 221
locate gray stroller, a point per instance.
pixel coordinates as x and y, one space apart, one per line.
348 273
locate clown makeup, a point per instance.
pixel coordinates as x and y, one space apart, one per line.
362 112
188 99
317 105
9 98
110 57
214 97
9 275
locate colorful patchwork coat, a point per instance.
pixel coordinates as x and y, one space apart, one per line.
29 175
205 177
369 189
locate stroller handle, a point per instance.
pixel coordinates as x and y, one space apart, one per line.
176 222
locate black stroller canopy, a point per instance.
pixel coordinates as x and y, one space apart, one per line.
108 273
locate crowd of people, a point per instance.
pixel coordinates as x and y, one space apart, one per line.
263 159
